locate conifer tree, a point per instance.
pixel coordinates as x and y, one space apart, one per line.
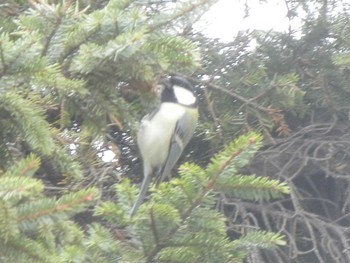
294 88
71 75
179 224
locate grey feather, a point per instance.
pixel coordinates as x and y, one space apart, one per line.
144 187
183 132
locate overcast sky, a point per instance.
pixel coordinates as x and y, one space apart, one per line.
226 18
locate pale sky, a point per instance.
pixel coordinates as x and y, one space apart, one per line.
226 18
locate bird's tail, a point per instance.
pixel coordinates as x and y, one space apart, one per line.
143 191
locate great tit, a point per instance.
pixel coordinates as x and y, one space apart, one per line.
165 132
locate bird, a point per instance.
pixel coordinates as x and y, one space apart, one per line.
164 133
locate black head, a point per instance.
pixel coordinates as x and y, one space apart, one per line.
181 82
177 90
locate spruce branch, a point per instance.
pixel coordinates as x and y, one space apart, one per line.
26 167
8 229
236 154
251 187
219 165
25 250
15 188
262 239
29 120
16 184
56 26
2 59
47 209
20 54
70 50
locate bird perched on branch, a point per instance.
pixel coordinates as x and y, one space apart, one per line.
165 132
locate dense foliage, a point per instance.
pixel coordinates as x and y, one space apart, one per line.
76 77
293 87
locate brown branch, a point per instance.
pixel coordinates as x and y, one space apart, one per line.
315 218
246 101
50 36
154 228
58 208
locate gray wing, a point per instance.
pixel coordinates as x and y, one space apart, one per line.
183 132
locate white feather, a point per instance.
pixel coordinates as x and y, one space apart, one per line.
154 136
184 96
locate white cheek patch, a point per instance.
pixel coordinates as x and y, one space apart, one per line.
184 96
